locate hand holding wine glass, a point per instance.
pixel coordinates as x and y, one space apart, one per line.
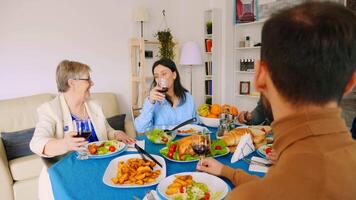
84 130
158 93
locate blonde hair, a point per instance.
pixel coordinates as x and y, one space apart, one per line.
69 70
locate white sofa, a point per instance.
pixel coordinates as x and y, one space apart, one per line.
19 177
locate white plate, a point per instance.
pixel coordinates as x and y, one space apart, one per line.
111 171
215 184
183 161
120 147
196 128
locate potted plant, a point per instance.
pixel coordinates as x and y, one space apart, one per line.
165 38
209 27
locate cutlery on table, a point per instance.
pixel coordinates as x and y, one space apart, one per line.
249 161
189 121
141 151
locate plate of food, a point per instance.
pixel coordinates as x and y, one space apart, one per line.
264 150
158 136
189 129
104 149
182 151
192 185
131 171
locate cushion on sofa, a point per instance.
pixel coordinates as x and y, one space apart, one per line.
17 143
26 167
117 122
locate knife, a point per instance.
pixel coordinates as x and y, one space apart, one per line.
140 150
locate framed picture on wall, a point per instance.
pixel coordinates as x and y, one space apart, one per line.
244 87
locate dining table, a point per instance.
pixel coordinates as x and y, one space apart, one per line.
83 179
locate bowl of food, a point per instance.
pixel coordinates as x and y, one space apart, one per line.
212 122
158 136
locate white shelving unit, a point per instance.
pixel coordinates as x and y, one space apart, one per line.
241 31
212 59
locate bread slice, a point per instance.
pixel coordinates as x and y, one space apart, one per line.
233 136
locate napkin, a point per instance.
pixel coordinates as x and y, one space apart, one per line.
258 168
140 143
151 195
244 148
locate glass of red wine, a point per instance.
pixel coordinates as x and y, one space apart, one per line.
84 129
163 84
201 144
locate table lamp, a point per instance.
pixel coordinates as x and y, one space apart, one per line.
190 55
141 15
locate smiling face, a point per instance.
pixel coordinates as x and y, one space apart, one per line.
161 71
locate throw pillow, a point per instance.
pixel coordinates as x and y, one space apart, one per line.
117 122
17 144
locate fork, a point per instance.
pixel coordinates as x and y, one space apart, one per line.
167 131
249 161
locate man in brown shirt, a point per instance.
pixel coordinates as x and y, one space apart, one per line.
308 62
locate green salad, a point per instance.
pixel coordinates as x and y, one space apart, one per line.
158 136
197 191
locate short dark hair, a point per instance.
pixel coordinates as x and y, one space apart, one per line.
178 88
310 51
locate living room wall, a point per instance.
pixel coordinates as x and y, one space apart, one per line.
36 35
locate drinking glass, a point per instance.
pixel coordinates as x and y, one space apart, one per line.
201 143
84 129
163 84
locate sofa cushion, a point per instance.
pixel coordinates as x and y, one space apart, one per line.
26 167
17 143
117 122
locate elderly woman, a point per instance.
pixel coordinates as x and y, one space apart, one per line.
169 103
55 132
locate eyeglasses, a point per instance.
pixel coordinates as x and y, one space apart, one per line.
84 79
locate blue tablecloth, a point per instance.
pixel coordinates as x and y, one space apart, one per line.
83 179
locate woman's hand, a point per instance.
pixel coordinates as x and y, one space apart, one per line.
156 96
210 165
72 143
244 117
121 136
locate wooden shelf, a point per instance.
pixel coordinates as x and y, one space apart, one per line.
247 48
248 96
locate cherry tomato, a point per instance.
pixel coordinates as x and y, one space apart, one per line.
218 147
173 147
181 189
268 150
207 196
92 149
181 157
170 155
112 148
164 139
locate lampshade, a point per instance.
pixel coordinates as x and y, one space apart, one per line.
141 14
190 54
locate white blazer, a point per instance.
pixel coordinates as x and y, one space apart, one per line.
54 120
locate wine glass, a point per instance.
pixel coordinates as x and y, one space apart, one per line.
163 84
201 144
84 129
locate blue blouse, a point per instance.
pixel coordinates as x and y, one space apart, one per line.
92 137
163 114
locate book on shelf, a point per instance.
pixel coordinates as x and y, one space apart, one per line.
208 87
208 68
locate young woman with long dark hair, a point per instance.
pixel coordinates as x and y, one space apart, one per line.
168 103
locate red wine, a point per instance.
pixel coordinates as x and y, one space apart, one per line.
163 90
84 134
200 149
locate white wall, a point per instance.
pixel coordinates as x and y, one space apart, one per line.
35 35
